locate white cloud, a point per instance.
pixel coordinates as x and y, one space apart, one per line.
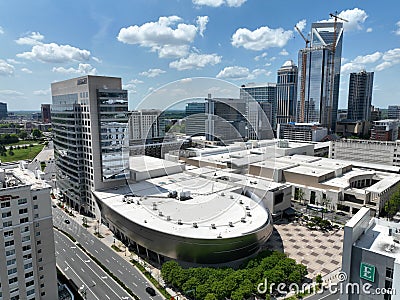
262 55
11 93
360 62
284 52
15 62
34 38
42 92
152 73
261 38
96 59
131 85
397 31
369 29
26 70
81 70
172 51
201 22
301 25
195 60
368 59
355 17
1 30
54 53
390 58
241 73
161 36
5 68
218 3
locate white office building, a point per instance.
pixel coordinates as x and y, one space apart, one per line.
371 258
27 258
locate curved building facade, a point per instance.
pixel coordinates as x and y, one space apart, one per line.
204 228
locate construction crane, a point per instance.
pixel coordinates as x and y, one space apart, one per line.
335 17
303 76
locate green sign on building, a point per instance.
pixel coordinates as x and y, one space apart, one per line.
367 272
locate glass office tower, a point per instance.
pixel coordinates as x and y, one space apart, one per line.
90 122
286 93
319 75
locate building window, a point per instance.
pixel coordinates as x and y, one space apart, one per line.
29 274
5 204
6 214
8 233
29 283
12 280
23 220
10 252
22 201
26 238
35 206
7 224
23 211
12 271
34 198
389 273
9 243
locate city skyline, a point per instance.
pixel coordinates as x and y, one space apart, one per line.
196 38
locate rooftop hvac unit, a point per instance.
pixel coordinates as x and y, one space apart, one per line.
240 201
230 224
243 220
195 225
247 207
219 236
154 206
179 222
160 213
168 218
231 196
248 214
213 226
138 202
222 194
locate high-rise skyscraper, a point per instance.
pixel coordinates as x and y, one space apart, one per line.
28 262
319 75
226 120
90 122
195 118
3 110
46 113
360 96
260 93
286 93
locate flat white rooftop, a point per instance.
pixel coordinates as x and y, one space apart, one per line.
377 239
142 163
212 203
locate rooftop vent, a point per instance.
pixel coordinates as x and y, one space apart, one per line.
154 206
231 196
248 214
240 201
230 224
222 194
179 222
138 202
243 220
160 213
219 236
195 225
168 218
247 207
213 226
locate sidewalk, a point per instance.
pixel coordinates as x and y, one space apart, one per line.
108 239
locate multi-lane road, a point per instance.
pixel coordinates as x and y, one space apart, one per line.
120 267
93 282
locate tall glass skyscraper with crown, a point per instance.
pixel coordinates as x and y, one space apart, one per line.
319 75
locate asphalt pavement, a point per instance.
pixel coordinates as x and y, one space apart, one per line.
92 281
116 264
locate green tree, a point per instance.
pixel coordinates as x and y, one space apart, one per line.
318 280
392 206
22 134
36 133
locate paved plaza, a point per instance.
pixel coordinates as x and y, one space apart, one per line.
320 251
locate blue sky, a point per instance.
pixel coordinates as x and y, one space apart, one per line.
149 43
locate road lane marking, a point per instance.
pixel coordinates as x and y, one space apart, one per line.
120 272
72 259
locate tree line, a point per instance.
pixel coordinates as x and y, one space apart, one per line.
221 283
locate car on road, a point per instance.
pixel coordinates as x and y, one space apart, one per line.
150 291
67 221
